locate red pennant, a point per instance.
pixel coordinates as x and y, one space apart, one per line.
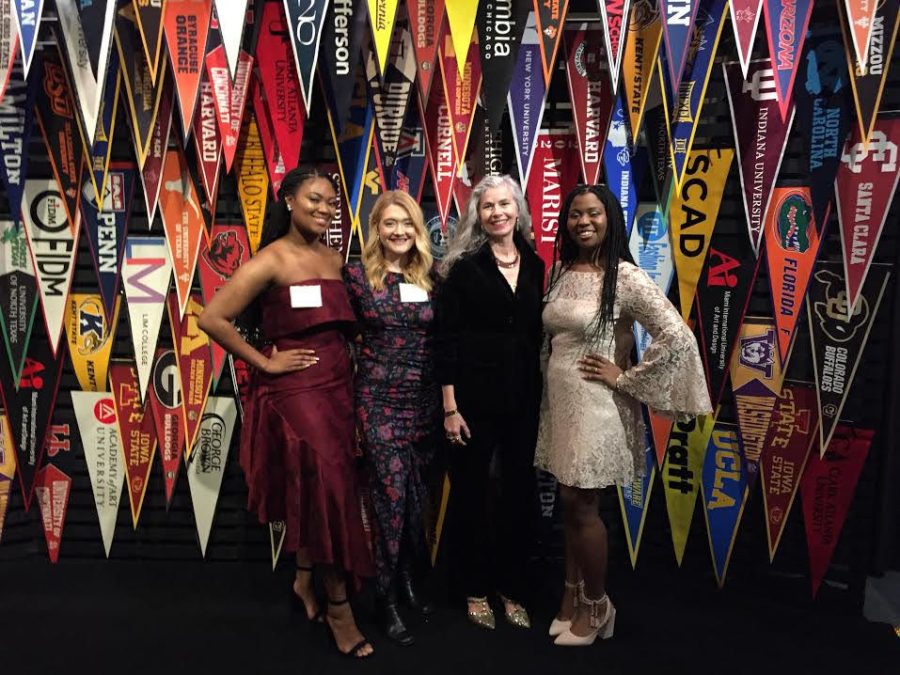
274 158
426 21
661 427
230 98
441 157
168 415
208 142
461 92
52 488
186 27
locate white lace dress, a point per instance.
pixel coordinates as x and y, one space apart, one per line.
590 436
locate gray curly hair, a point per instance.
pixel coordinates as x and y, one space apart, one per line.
469 235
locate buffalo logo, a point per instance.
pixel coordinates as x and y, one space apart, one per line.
643 14
758 352
92 331
794 220
839 324
826 69
225 253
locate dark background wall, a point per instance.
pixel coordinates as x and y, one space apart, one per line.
867 544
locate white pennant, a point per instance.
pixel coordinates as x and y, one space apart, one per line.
88 88
207 463
146 273
232 18
95 413
54 246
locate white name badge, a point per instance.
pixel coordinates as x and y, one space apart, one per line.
306 296
412 293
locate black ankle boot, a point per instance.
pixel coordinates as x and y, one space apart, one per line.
391 622
412 597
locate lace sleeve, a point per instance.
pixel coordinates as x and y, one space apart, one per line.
669 378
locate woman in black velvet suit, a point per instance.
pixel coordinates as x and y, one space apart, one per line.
487 346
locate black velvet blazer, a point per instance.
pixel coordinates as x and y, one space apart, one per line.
487 338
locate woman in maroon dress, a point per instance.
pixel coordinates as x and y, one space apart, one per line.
298 435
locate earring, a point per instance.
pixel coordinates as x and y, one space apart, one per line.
289 207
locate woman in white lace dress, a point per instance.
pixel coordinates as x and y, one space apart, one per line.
591 429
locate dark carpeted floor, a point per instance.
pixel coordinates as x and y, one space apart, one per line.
224 618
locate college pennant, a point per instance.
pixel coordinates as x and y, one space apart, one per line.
9 47
135 424
338 234
52 488
641 49
277 531
208 142
462 86
760 136
860 15
241 374
54 247
168 416
87 53
868 83
789 440
279 83
151 173
527 96
145 275
823 114
231 17
305 19
194 364
826 492
756 378
839 335
28 24
615 22
183 221
142 91
786 26
391 93
271 152
148 16
228 249
682 474
101 151
91 334
745 21
693 211
634 500
18 295
723 293
56 119
382 15
678 18
411 168
624 163
369 190
207 464
684 100
792 243
106 225
441 157
656 131
591 95
186 25
652 251
501 26
550 17
555 173
230 98
864 190
16 124
252 180
345 27
7 468
725 492
95 413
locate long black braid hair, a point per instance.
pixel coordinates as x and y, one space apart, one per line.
277 224
607 256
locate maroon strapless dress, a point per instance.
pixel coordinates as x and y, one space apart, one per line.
297 441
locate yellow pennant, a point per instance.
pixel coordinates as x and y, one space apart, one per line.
641 48
693 210
382 14
682 474
461 19
91 336
7 467
252 180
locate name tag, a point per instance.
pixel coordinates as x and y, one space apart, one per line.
412 293
306 296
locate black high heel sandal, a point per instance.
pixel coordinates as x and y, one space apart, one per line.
354 650
298 606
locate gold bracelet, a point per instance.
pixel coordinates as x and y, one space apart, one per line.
450 413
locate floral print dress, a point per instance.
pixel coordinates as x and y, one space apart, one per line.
397 408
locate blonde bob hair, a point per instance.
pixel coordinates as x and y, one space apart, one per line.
418 267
